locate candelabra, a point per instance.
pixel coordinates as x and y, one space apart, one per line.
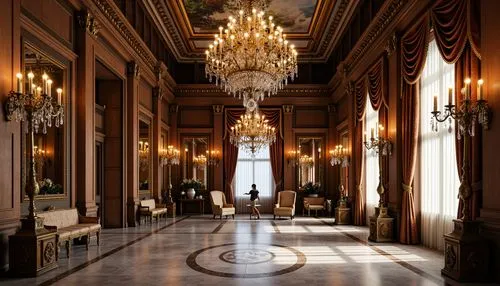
40 158
143 155
383 147
338 156
306 161
213 157
169 157
200 162
467 114
293 157
35 106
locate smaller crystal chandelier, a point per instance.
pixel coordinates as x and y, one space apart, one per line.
200 162
143 155
306 161
169 156
338 156
213 157
252 132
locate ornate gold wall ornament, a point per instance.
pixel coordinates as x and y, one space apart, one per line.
332 108
86 21
158 92
133 69
174 108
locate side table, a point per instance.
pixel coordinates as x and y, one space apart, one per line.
200 202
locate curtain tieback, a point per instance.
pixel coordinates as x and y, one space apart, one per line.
407 188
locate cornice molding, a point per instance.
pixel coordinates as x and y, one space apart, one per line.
214 91
384 18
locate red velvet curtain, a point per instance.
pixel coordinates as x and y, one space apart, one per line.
230 155
413 53
276 149
457 32
375 81
359 93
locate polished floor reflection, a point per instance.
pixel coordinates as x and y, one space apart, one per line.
198 250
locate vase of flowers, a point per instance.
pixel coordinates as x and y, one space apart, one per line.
47 187
343 197
312 189
191 185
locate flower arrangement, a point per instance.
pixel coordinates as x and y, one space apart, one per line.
47 187
191 184
312 189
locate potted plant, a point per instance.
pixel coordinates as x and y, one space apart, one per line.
343 197
312 190
191 185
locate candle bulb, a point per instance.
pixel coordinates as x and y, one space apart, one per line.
45 77
480 89
59 95
435 103
467 89
30 82
364 137
49 87
450 96
19 82
372 134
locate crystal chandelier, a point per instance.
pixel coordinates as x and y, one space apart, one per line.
251 57
252 132
306 161
338 156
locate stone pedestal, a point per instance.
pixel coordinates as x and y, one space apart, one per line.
33 249
342 214
381 226
466 256
171 209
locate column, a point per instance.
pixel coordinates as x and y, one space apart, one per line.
157 144
174 141
132 135
218 133
289 144
85 141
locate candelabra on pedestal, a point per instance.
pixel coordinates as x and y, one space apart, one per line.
466 252
339 157
169 157
34 105
381 224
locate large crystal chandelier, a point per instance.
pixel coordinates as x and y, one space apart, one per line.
251 57
252 132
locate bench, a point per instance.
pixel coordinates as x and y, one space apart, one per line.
149 208
70 225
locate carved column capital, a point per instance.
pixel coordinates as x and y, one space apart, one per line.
350 88
288 108
158 92
87 22
133 69
218 108
391 44
174 108
332 108
344 70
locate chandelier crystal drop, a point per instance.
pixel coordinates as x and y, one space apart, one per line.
251 57
252 132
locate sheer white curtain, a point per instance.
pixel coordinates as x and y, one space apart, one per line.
439 180
371 163
257 171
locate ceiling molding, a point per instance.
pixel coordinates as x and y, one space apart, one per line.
210 90
327 25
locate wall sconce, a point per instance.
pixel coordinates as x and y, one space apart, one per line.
200 162
306 161
292 157
339 156
213 157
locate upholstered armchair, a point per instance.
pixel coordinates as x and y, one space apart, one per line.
286 204
219 205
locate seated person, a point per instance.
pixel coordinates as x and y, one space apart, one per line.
254 196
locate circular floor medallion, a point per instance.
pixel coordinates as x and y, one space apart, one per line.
246 260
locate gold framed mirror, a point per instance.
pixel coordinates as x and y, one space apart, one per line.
144 156
311 161
194 162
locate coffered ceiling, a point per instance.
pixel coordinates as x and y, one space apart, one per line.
314 26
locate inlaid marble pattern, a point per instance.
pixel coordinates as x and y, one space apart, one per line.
198 250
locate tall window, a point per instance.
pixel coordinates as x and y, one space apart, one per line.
257 171
439 180
371 162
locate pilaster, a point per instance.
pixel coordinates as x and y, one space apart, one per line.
218 133
289 144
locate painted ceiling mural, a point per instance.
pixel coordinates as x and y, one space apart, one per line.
206 16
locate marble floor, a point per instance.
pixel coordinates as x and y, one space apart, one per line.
197 250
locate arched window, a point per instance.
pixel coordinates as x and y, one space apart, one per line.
439 180
371 162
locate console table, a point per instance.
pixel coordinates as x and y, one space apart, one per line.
200 202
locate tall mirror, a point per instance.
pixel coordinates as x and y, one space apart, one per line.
194 158
145 170
49 149
311 161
